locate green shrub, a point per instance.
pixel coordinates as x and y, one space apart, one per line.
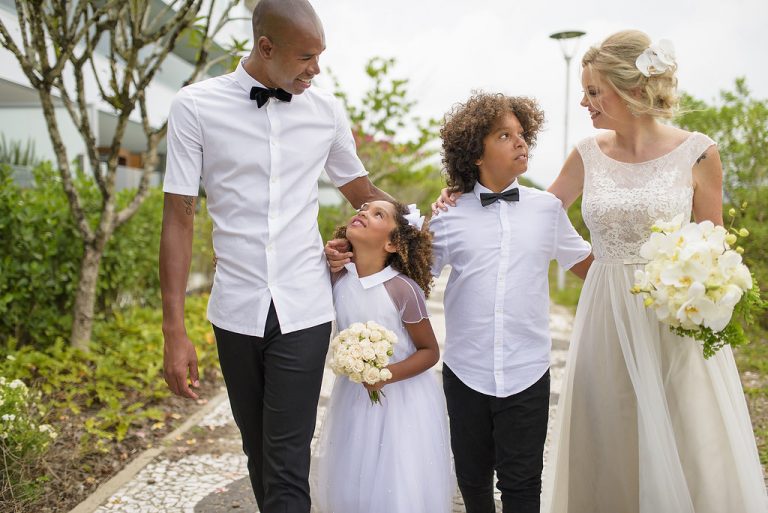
41 253
118 383
24 439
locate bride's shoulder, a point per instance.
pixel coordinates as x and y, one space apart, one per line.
675 135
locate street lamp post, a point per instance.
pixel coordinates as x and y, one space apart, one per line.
569 41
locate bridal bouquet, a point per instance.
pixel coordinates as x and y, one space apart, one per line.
361 352
696 283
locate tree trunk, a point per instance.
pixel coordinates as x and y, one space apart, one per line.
85 299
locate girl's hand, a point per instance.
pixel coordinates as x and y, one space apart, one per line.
447 198
338 254
374 388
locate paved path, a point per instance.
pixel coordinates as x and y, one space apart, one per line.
203 468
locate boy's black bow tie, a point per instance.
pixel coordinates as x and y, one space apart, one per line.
262 94
487 198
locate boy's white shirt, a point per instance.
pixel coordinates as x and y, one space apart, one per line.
497 297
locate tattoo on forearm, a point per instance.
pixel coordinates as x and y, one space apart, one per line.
703 156
189 205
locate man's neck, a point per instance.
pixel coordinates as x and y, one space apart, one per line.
257 71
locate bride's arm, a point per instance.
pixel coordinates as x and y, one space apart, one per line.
708 187
570 182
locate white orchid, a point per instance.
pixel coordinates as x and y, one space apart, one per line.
692 280
657 58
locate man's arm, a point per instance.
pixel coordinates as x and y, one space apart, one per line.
361 190
179 356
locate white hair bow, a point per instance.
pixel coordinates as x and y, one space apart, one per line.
414 217
657 58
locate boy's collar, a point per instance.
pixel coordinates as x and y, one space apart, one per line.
482 188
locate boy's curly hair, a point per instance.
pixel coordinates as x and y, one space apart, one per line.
414 256
466 125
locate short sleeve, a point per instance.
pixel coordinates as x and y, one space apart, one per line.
570 247
439 244
343 165
408 298
700 143
185 147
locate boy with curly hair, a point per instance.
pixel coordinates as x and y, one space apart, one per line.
499 240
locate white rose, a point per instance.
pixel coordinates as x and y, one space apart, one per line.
371 375
375 335
357 366
382 359
385 374
356 327
356 377
369 353
355 351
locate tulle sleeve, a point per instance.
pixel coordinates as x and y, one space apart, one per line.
335 277
408 298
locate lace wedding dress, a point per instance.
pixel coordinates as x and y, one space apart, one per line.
644 424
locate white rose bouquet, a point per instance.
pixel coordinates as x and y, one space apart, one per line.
361 352
697 284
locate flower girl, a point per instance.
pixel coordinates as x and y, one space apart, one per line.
393 456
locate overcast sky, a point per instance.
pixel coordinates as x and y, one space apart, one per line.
447 48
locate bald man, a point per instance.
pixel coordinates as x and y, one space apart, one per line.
257 140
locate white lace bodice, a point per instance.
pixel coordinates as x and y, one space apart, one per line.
621 201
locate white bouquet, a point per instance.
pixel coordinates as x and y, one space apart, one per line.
694 281
361 352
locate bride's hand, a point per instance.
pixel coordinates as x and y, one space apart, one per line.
338 254
447 198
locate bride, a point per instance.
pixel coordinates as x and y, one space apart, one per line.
645 424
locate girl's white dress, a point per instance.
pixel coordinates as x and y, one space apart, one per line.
644 424
392 457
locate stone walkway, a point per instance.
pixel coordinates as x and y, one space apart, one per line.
203 470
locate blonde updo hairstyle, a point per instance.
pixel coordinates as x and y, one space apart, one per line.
615 60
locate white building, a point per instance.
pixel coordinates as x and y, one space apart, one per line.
22 120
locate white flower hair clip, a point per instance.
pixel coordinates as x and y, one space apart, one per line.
414 217
657 58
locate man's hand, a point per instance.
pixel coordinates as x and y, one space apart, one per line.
338 254
447 198
180 361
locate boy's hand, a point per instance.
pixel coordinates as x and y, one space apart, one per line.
447 198
338 254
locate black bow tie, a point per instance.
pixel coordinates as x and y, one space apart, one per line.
262 94
487 198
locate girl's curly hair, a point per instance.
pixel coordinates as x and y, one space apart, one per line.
466 125
414 256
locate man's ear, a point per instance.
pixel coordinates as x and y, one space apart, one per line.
265 47
390 247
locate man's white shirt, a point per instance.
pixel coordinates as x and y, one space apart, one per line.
259 168
497 296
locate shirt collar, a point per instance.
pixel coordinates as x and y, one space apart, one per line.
245 80
481 188
374 279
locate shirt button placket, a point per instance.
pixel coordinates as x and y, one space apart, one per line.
498 335
274 193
